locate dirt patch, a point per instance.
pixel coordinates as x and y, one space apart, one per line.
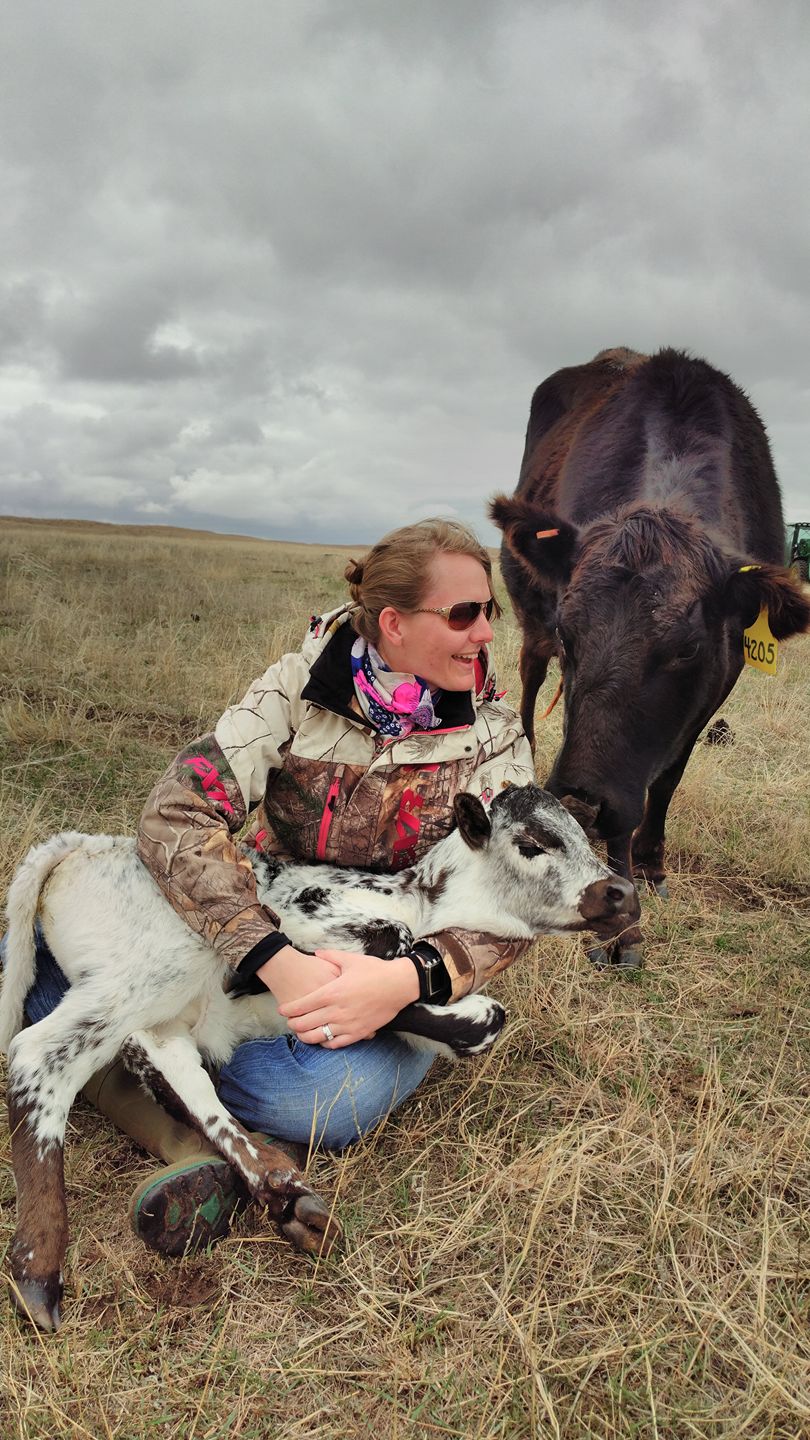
183 1284
148 725
685 1081
101 1310
745 893
143 724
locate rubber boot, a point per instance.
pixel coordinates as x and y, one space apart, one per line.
118 1095
191 1203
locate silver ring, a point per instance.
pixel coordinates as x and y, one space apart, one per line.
327 1032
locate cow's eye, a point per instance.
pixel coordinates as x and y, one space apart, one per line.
529 852
685 654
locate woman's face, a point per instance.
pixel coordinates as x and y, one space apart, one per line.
425 645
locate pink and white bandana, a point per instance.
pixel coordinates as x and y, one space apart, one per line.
393 702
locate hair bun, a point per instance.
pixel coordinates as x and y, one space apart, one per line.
354 576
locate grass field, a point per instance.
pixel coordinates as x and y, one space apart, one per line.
600 1230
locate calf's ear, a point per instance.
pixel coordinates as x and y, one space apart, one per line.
472 820
749 587
543 543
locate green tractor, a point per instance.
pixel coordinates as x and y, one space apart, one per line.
797 548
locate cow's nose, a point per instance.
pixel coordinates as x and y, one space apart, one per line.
606 898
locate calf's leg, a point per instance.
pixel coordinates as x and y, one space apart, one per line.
171 1069
116 1093
48 1063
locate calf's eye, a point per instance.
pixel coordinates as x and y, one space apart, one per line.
530 851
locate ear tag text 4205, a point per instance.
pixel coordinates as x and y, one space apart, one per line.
760 647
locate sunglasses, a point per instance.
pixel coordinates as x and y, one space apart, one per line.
462 615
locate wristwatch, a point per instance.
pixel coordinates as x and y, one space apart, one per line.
435 985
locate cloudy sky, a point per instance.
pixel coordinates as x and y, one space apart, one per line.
293 267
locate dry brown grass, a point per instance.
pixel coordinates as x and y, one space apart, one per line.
600 1231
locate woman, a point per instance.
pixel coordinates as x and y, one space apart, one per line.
350 751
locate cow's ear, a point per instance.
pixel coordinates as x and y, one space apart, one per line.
545 544
749 587
472 820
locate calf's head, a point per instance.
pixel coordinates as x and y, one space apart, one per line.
540 867
650 613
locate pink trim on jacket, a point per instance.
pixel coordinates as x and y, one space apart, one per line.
326 819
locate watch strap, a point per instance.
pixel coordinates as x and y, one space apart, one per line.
435 985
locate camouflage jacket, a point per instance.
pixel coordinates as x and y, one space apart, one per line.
295 770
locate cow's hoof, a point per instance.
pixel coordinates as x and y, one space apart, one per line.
614 957
308 1225
38 1301
631 958
654 885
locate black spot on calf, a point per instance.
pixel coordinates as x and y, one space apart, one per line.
385 939
313 899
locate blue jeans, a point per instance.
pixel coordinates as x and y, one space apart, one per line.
277 1085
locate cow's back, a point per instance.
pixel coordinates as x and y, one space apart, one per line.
661 429
560 407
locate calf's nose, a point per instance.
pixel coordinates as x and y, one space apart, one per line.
605 899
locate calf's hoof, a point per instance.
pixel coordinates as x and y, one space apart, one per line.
308 1225
38 1301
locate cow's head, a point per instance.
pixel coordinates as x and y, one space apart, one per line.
650 612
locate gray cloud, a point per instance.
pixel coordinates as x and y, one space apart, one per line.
296 269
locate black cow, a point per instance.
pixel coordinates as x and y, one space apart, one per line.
644 536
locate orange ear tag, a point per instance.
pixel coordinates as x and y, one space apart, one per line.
545 534
760 647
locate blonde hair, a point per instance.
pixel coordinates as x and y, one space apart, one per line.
396 571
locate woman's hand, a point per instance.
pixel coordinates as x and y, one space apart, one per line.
291 973
365 994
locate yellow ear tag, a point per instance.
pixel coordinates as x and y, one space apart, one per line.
760 647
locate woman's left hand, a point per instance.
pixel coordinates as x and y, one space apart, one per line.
365 994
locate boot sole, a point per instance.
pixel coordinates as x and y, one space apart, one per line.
187 1207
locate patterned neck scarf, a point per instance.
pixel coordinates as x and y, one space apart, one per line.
394 703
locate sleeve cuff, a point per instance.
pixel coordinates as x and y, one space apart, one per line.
245 981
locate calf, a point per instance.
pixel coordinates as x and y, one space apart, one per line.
143 983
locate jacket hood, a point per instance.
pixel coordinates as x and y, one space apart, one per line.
321 629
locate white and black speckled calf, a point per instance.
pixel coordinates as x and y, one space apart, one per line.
144 984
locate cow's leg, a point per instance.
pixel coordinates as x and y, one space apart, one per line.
625 952
171 1069
642 856
533 667
649 839
47 1064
